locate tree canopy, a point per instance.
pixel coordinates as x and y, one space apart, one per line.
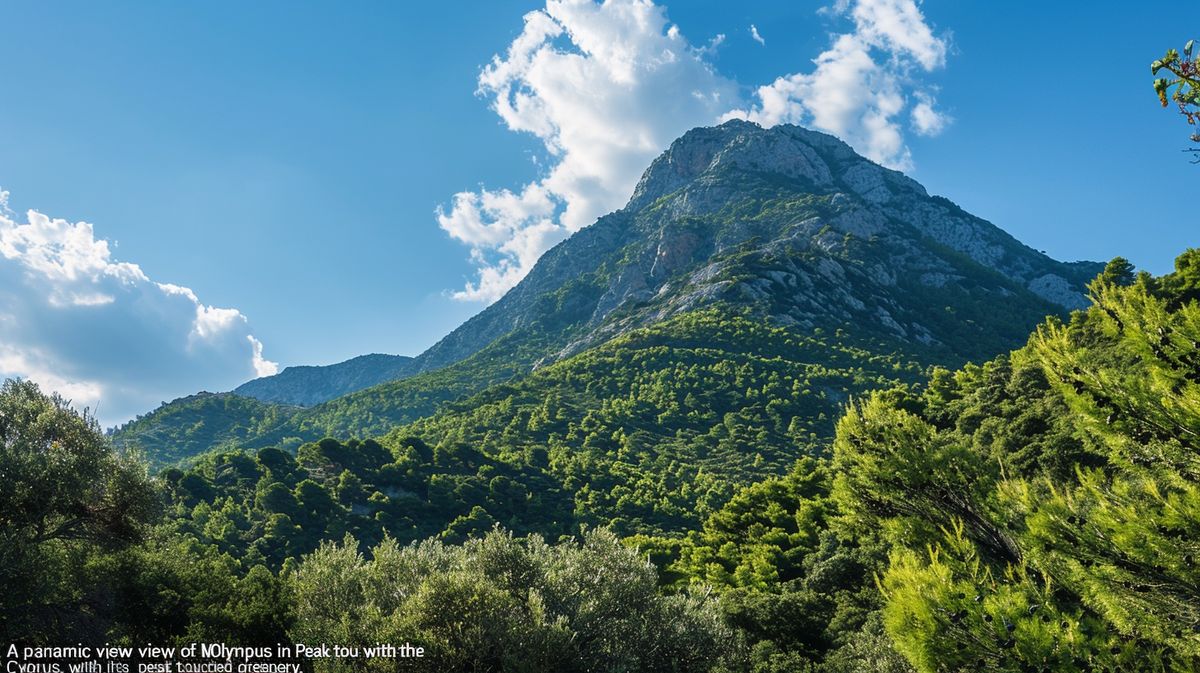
1182 88
66 493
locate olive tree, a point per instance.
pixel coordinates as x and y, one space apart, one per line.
64 493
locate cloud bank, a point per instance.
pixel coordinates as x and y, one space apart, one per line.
606 87
102 333
860 85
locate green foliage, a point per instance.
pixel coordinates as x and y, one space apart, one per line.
799 594
896 469
1004 563
175 591
758 539
647 434
1119 271
1132 530
651 432
190 426
869 650
951 610
1186 84
67 496
501 604
270 507
180 431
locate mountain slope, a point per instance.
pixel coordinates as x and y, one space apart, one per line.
191 425
784 225
308 385
778 191
647 434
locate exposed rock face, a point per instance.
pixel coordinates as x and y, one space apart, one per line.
831 166
1058 290
791 224
309 385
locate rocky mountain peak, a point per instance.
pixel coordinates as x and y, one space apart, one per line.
692 177
793 152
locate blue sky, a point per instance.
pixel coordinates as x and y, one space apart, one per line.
286 161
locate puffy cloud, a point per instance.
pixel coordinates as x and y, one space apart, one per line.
925 119
898 26
713 44
102 333
755 35
604 87
857 90
607 86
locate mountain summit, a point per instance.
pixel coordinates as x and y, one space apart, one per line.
795 226
882 200
784 225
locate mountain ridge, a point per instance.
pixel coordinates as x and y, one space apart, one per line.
697 159
307 385
783 224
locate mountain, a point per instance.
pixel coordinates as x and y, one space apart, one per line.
782 225
189 426
308 385
792 223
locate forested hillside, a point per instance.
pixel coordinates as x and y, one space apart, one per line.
190 426
646 434
1040 511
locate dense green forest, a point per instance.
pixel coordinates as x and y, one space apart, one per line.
190 426
666 502
646 434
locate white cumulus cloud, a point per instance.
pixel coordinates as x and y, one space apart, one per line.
102 333
606 86
754 34
927 120
857 90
